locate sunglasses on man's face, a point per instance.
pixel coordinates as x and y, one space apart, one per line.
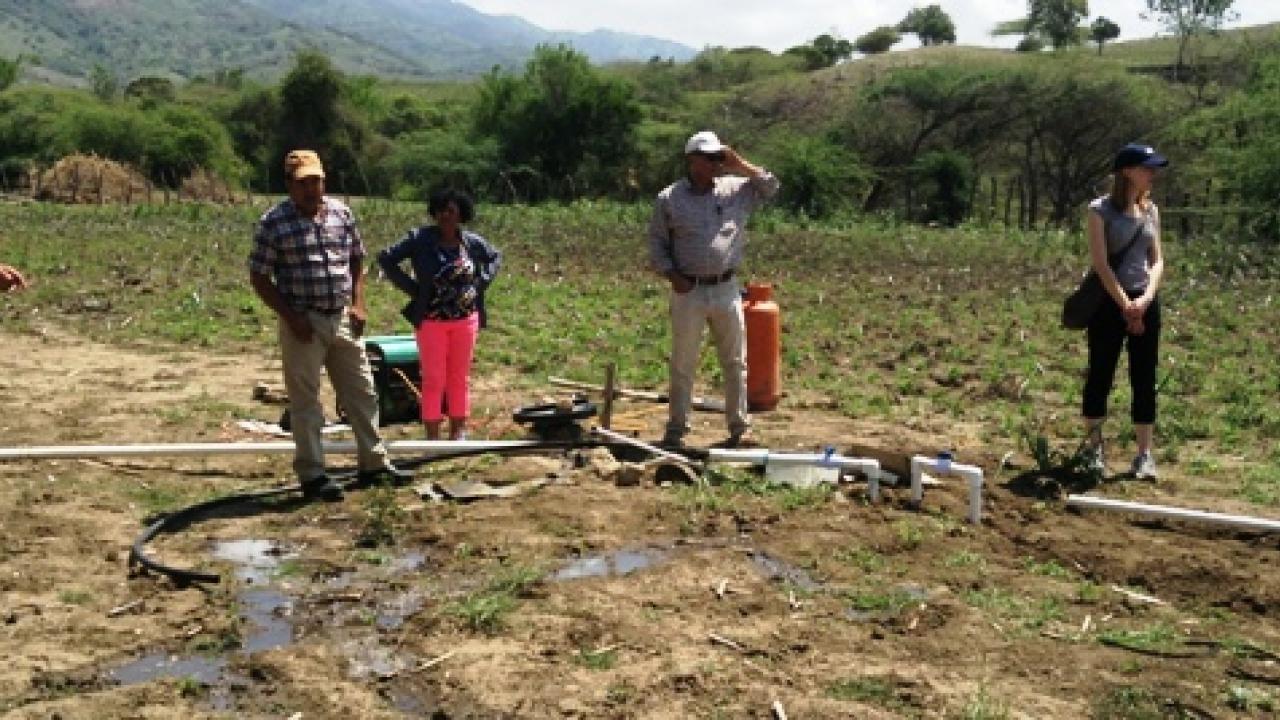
713 157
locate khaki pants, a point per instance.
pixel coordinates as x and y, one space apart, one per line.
333 348
719 306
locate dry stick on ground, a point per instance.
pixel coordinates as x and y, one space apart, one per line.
1150 600
722 588
436 660
122 609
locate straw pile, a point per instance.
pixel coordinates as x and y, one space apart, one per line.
90 179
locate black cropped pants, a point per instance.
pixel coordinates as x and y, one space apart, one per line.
1107 333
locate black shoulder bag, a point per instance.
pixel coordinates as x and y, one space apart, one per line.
1083 303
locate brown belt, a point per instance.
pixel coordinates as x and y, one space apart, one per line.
710 279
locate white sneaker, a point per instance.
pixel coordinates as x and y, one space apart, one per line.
1144 466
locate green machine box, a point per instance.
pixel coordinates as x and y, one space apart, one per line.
394 361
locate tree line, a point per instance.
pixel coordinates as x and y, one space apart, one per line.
912 141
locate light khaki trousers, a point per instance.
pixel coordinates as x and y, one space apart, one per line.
334 349
720 307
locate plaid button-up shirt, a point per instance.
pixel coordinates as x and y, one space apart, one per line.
309 259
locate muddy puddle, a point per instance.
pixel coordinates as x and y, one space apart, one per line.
610 564
776 569
270 619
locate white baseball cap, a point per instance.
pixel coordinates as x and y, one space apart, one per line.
703 142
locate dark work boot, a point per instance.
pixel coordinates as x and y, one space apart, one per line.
389 472
322 488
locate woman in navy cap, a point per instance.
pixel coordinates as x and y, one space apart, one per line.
1124 246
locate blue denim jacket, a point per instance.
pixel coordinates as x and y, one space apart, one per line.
419 248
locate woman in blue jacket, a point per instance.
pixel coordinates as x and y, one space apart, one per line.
452 267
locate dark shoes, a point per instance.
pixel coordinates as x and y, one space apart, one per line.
738 440
388 472
322 488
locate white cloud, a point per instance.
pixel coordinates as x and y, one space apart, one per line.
779 25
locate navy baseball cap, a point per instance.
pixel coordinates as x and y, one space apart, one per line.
1137 154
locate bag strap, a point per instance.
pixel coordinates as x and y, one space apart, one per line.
1114 259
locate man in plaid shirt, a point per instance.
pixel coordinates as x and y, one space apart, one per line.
307 266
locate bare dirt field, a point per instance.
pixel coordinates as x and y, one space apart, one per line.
583 598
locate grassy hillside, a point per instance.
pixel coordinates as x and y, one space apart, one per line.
809 100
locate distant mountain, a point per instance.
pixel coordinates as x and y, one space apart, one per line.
185 38
456 37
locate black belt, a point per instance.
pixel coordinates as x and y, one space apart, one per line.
710 279
326 311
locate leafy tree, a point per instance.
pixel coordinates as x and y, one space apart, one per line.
878 40
9 71
832 49
423 160
932 25
252 119
1058 20
313 115
1188 18
563 121
944 182
1103 30
917 110
309 97
150 90
103 82
1239 146
1030 44
822 176
407 113
808 55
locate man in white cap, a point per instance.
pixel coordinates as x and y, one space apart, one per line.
307 265
696 241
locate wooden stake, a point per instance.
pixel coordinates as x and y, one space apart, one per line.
606 409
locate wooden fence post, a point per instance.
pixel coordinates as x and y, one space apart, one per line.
1008 202
994 206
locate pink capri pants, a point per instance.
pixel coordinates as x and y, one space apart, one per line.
445 349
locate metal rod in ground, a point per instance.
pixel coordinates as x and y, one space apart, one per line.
653 449
1239 522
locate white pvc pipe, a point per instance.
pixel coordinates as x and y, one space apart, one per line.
944 466
426 447
1239 522
867 466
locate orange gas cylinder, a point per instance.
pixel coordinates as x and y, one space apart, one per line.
764 349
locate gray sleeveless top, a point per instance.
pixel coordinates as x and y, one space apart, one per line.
1132 271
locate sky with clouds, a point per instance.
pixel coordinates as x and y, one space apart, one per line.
779 24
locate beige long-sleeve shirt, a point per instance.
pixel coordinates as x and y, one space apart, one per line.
705 233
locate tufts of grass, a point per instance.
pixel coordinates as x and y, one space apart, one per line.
864 559
1159 638
380 518
1048 568
965 559
867 689
486 610
596 659
75 597
1128 703
983 706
